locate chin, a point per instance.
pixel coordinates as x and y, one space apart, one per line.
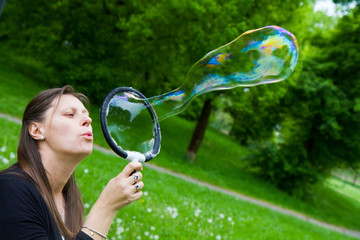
85 152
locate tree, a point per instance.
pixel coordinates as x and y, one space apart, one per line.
199 131
320 127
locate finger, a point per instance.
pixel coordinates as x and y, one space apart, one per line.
138 186
137 195
136 177
129 168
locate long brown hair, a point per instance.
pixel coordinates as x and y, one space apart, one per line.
29 160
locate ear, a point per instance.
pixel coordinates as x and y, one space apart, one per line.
36 131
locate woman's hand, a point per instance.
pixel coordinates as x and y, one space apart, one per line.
118 193
123 189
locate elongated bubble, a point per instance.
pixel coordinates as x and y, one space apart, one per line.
261 56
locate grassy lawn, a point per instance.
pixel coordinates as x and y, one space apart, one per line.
174 209
219 161
344 188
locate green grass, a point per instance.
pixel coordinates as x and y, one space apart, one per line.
174 209
344 188
219 160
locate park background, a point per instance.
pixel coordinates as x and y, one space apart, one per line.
294 144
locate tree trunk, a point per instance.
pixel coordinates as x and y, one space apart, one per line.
199 131
355 178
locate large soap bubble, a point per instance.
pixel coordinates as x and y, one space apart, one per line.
261 56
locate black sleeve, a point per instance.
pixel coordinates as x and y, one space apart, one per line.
23 212
83 236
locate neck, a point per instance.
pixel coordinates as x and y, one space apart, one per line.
59 168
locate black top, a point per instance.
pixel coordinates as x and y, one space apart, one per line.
23 212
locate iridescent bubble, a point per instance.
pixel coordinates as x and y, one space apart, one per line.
261 56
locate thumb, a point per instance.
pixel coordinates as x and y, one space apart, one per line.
129 168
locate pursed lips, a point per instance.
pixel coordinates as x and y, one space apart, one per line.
88 134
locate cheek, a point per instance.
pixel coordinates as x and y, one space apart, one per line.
61 132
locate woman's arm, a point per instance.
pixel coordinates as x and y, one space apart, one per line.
118 193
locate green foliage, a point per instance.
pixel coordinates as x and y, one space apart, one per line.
319 119
254 112
286 166
98 45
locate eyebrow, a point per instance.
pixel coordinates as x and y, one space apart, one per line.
75 109
85 111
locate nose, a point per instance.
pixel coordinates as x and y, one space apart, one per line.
87 121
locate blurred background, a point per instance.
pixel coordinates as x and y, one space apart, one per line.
295 143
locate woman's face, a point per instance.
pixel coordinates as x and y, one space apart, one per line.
67 127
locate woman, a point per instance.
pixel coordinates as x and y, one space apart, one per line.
39 198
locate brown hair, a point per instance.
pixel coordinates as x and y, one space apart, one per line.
29 160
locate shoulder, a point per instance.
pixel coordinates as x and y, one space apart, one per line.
17 184
19 193
22 208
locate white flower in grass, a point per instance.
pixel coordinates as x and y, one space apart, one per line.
86 170
197 212
211 234
86 205
173 212
118 220
145 193
149 210
5 160
210 220
146 233
138 237
12 155
229 219
218 237
190 223
222 215
152 228
156 237
120 230
232 223
3 149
